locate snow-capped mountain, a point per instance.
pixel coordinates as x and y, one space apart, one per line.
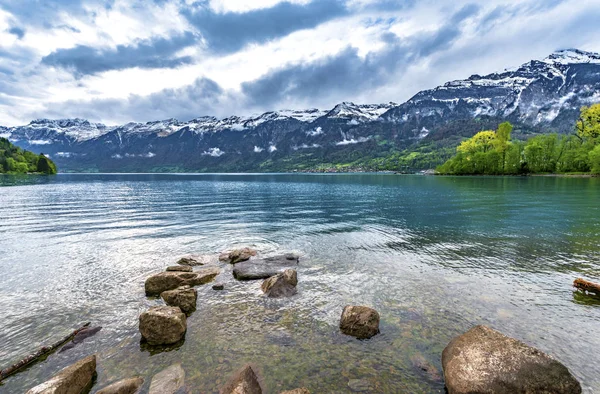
539 96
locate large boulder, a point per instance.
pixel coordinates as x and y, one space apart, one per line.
125 386
237 255
163 325
168 381
183 297
244 381
484 360
74 379
281 285
164 281
359 321
264 268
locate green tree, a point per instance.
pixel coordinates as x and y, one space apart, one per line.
588 125
45 166
594 156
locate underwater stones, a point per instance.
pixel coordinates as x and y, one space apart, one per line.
359 321
163 325
125 386
360 385
183 297
168 381
74 379
422 364
243 381
484 360
218 286
264 268
179 268
281 285
296 391
80 337
164 281
237 255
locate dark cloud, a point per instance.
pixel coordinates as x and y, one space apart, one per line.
17 31
203 97
156 53
231 31
347 73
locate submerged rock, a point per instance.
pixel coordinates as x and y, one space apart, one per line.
237 255
360 385
218 286
163 325
421 363
281 285
179 268
73 379
244 381
264 268
484 360
296 391
168 381
80 337
183 297
164 281
125 386
359 321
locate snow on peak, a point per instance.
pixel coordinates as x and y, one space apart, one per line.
572 56
362 112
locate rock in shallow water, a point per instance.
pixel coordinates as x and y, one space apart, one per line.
281 285
237 255
296 391
218 286
359 321
179 268
163 325
164 281
183 297
264 268
80 337
168 381
244 381
193 260
125 386
484 360
73 379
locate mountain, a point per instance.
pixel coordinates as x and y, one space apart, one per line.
539 96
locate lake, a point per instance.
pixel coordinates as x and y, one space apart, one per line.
434 255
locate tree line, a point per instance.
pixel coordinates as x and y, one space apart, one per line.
492 152
14 160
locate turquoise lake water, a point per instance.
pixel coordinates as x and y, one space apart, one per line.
434 255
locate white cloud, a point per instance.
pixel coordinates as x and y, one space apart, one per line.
214 152
258 149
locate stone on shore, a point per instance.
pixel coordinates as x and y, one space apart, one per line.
296 391
164 281
237 255
484 360
163 325
281 285
183 297
179 268
168 381
125 386
244 381
264 268
359 321
74 379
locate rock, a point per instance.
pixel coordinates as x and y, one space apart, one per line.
73 379
264 268
281 285
484 360
218 286
237 255
184 297
296 391
193 260
163 325
80 336
586 286
179 268
125 386
168 381
244 381
359 321
424 365
360 385
164 281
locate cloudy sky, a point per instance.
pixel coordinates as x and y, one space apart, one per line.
116 61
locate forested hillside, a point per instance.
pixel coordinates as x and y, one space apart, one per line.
14 160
